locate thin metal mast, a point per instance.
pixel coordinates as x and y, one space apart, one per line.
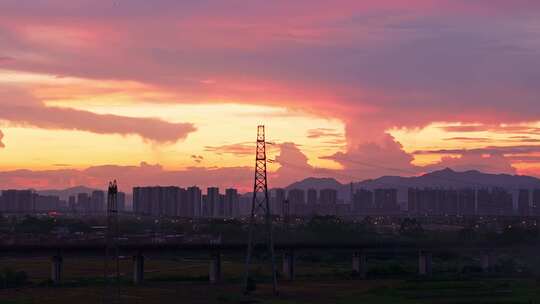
260 210
111 245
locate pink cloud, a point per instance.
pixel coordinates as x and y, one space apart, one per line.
69 119
1 137
128 177
492 163
373 65
374 159
235 149
19 109
293 164
322 132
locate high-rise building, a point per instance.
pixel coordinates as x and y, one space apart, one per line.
524 202
156 201
184 209
312 197
205 209
386 201
97 202
312 201
449 202
327 202
536 202
231 203
502 202
17 201
9 201
245 205
221 209
297 202
72 204
156 205
278 199
121 201
429 201
46 203
212 204
194 201
413 198
136 205
484 202
467 202
83 203
328 196
170 197
362 201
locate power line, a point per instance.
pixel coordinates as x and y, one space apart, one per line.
373 164
260 210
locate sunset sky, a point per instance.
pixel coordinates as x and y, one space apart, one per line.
171 92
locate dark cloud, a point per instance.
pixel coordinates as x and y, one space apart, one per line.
468 139
515 129
519 137
323 132
236 149
197 158
534 159
465 128
151 129
22 110
492 150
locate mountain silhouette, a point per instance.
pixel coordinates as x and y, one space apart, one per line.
446 178
64 194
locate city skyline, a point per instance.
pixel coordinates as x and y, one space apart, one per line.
93 91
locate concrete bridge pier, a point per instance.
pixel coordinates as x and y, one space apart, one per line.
425 263
138 268
487 262
359 264
215 267
288 265
57 268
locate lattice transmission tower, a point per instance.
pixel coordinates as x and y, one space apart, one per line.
260 211
111 267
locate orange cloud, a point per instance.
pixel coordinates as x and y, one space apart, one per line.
151 129
20 109
373 65
127 176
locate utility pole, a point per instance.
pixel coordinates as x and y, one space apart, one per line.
112 247
260 210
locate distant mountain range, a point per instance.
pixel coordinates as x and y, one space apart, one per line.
446 178
64 194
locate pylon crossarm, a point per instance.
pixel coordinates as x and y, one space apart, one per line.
260 208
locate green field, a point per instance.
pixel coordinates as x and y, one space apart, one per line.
302 291
185 280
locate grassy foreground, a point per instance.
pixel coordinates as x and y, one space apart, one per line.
185 280
306 291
